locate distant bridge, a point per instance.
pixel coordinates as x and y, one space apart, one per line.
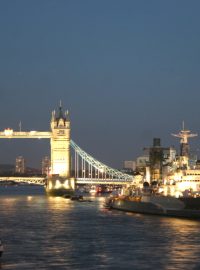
29 180
42 181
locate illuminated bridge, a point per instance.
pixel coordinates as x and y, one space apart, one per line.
87 170
91 171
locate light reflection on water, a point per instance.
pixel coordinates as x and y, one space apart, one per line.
42 232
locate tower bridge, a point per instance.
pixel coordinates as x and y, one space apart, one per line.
87 170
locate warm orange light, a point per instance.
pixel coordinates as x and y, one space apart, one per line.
50 185
58 184
66 184
8 132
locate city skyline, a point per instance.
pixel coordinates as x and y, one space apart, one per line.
127 72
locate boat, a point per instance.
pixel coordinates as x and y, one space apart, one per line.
1 248
76 198
178 175
80 198
154 204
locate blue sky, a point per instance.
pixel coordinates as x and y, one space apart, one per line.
127 71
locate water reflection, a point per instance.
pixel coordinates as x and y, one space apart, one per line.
41 232
182 234
59 204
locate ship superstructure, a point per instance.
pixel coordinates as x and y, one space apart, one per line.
175 174
185 178
184 135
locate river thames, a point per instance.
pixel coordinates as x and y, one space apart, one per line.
41 232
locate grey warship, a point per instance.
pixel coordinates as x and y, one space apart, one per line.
153 204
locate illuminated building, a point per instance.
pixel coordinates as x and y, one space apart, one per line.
20 165
129 164
46 165
141 163
160 160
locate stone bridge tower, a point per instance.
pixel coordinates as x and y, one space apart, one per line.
60 181
60 144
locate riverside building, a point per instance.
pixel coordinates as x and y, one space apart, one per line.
20 165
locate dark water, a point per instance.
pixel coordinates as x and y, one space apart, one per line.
54 233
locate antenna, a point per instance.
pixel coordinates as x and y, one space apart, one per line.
183 125
60 103
184 134
20 126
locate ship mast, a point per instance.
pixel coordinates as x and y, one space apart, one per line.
184 135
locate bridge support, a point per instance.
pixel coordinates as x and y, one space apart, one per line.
60 186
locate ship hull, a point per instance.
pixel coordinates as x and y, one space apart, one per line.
152 209
190 202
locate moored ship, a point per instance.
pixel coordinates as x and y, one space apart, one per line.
154 204
175 175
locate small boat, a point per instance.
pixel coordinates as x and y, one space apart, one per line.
1 248
76 198
80 199
66 196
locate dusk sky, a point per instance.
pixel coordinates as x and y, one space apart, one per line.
127 70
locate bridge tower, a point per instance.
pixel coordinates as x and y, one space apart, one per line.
60 144
59 181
